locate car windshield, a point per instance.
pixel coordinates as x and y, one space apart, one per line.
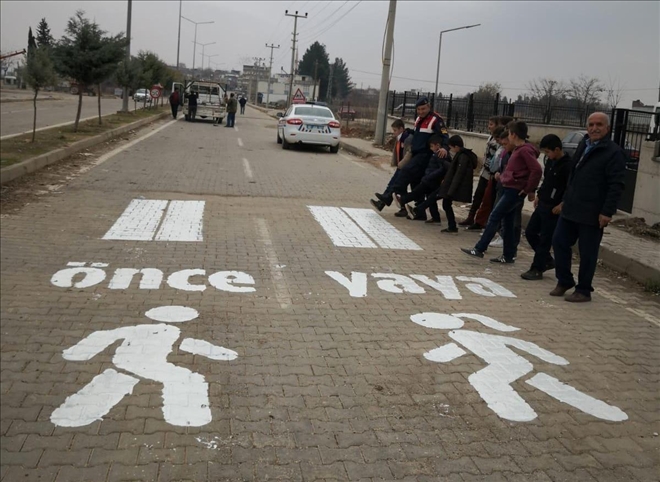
314 111
142 91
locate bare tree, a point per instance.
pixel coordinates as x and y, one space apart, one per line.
548 91
586 92
614 90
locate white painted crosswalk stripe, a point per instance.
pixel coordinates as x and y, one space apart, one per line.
183 222
340 228
386 235
141 219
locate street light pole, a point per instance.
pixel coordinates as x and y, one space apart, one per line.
178 42
293 50
203 47
195 46
437 73
379 135
124 100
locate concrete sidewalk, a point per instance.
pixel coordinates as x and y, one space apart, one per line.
635 256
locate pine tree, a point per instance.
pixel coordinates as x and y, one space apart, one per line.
44 37
341 81
315 52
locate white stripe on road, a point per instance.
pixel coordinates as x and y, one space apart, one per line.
248 170
138 222
236 128
240 142
282 293
338 226
183 222
386 235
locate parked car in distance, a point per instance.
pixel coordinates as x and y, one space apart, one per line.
345 112
142 95
572 139
308 123
410 111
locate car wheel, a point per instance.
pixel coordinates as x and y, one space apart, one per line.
334 149
285 144
279 139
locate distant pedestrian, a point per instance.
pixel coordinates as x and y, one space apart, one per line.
192 105
457 184
175 99
594 188
541 226
242 101
232 107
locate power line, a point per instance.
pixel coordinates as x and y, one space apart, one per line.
334 23
326 18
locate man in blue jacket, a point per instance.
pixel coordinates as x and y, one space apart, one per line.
594 188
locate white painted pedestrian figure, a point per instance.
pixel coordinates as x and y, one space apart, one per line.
505 366
143 353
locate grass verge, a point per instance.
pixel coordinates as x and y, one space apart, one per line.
18 149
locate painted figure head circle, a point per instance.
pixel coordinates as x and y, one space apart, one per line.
437 320
172 314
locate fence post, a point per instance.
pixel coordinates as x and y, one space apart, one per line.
497 101
393 100
470 113
449 107
403 109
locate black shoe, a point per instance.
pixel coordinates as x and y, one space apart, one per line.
503 260
560 290
433 221
550 265
387 200
577 297
397 201
401 213
532 275
474 227
473 252
466 222
377 204
450 230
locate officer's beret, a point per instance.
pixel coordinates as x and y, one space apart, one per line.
422 101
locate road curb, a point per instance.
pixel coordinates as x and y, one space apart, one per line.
28 166
356 150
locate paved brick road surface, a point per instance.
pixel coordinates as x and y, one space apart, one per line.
326 386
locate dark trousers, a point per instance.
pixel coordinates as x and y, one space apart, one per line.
539 232
242 109
505 211
231 118
588 237
192 112
411 173
430 203
478 197
517 222
175 109
393 180
449 212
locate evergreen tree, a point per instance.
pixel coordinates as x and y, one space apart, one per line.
341 80
44 37
316 52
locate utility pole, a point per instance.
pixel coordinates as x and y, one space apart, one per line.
178 42
316 70
270 70
379 135
329 93
258 61
124 100
293 49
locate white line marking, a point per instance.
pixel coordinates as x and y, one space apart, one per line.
386 235
138 222
183 222
338 226
236 128
248 170
240 142
279 281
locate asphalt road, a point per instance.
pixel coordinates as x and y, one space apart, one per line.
16 117
204 305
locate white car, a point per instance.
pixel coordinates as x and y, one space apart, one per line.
142 95
309 123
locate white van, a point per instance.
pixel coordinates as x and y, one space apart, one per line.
654 125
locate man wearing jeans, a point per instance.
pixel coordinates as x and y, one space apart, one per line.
520 178
594 188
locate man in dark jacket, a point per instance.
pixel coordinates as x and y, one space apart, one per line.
242 101
400 156
594 188
457 184
541 226
427 124
175 100
520 178
192 105
232 107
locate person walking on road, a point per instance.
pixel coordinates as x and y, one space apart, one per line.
232 107
192 105
594 188
175 100
242 101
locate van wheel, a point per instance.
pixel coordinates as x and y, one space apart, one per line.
279 139
334 149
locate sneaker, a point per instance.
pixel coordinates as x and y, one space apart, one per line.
532 275
410 211
498 242
466 222
503 260
473 252
450 230
560 290
377 204
397 200
433 221
474 227
577 297
401 213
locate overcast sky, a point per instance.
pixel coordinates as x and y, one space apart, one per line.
516 42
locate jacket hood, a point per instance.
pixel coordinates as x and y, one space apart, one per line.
530 148
473 157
